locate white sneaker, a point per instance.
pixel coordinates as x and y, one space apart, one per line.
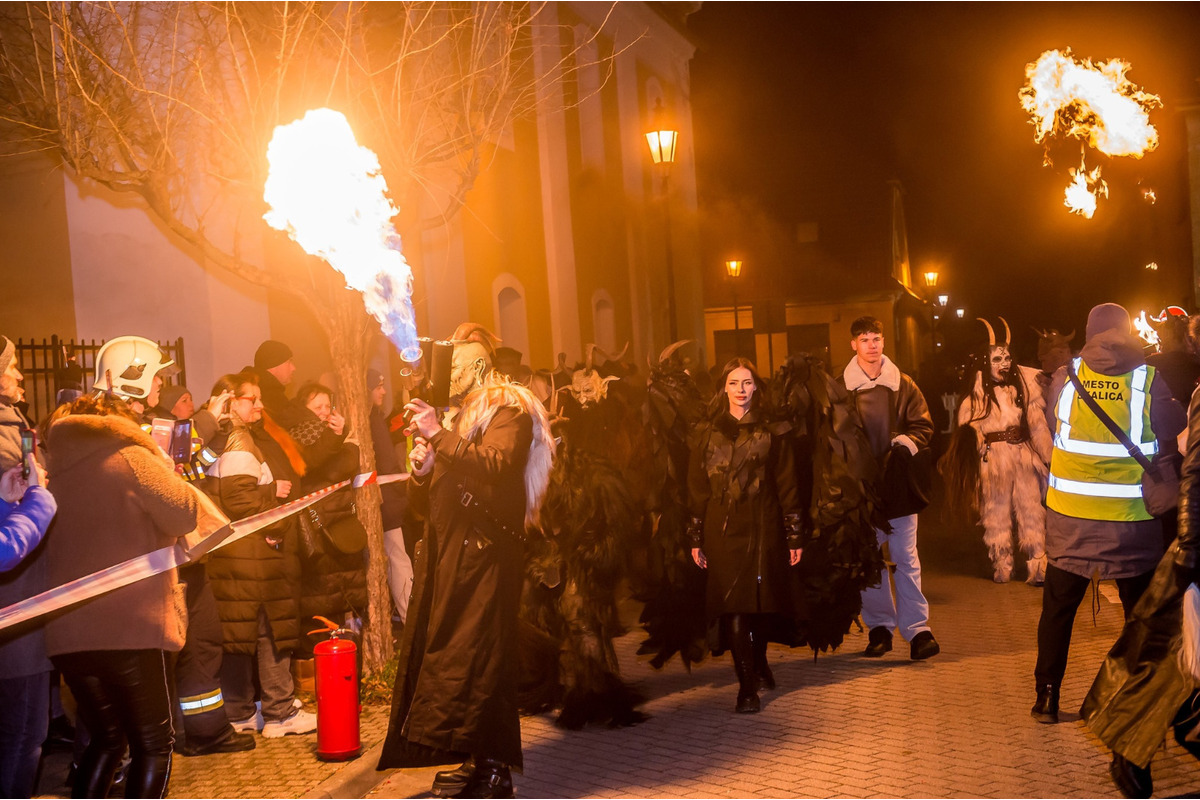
298 723
252 724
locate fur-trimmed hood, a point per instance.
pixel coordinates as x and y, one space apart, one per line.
479 410
81 437
856 379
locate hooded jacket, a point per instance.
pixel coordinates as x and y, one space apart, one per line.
1108 548
118 498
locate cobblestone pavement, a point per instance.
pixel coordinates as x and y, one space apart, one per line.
957 725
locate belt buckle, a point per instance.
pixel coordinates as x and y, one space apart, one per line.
467 499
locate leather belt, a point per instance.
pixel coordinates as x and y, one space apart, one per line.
1013 435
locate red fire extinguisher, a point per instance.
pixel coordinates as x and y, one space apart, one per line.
338 706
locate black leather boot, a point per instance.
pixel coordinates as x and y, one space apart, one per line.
742 646
1045 710
766 678
490 778
1130 779
448 783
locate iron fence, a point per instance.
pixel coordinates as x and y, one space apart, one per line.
53 365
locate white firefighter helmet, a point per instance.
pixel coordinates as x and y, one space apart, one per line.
126 366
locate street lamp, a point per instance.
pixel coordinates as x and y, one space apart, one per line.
943 299
931 278
734 269
663 143
960 312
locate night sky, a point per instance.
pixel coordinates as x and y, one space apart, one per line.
803 112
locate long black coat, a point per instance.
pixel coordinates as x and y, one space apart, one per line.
456 687
741 484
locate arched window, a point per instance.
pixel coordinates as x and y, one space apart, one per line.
604 321
510 314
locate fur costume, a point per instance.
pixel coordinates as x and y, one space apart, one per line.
670 587
569 604
837 473
1011 474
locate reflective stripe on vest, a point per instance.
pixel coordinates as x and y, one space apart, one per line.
1096 489
1092 476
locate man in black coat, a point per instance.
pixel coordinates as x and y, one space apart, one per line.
479 485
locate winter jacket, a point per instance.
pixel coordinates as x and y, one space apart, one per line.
23 524
1112 549
253 572
395 499
893 410
741 486
22 651
317 442
118 498
331 582
456 687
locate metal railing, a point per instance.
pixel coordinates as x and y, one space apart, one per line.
55 364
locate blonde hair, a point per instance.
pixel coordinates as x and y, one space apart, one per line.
480 408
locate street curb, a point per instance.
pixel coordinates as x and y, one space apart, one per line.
356 779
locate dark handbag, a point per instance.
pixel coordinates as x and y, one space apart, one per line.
1160 477
346 534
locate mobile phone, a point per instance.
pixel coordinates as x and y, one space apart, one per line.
28 446
333 402
160 431
181 441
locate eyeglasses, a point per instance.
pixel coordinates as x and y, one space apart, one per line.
249 397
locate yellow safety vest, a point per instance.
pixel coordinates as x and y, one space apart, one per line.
1092 475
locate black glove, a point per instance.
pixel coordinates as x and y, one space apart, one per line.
695 531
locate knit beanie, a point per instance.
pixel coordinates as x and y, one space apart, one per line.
374 380
1107 317
8 352
271 354
170 395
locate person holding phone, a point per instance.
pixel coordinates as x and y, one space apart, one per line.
24 667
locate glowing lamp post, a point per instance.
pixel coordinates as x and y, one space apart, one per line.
943 300
960 312
734 270
663 143
931 278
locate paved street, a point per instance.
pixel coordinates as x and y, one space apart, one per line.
842 726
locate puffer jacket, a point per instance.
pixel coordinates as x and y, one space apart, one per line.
263 568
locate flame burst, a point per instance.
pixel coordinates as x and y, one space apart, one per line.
1095 103
327 193
1145 330
1084 191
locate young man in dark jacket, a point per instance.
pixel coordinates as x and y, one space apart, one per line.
898 425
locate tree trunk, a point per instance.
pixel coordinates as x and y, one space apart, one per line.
350 332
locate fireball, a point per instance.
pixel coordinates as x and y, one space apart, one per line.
327 193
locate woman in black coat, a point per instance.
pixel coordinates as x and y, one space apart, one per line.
745 526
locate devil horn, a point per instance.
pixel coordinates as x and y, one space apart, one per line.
589 358
991 333
1070 335
671 348
1041 334
1007 333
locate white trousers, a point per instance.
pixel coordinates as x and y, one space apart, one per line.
909 612
400 570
